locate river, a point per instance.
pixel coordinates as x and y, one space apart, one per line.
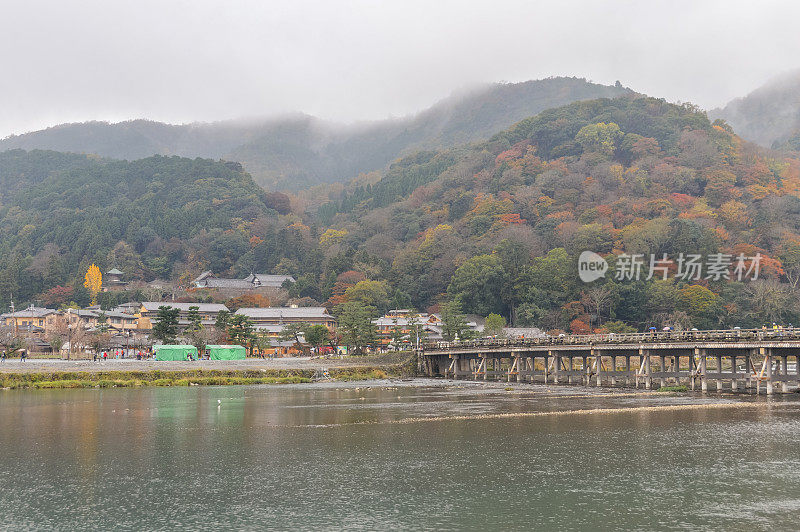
396 456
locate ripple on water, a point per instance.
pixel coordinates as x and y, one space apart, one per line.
534 457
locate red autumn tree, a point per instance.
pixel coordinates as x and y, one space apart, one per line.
57 296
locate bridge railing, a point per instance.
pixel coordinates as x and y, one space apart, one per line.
726 335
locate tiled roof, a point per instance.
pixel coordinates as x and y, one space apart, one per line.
129 308
285 312
269 280
268 328
208 280
206 274
152 306
224 283
121 315
30 312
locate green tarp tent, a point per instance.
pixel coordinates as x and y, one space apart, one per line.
175 352
226 352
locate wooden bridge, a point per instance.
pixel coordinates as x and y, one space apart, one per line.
732 359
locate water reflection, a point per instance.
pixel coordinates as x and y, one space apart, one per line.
334 456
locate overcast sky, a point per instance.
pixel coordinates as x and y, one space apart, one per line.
202 60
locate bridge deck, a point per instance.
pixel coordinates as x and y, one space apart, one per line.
751 357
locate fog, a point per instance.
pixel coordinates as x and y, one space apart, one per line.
198 60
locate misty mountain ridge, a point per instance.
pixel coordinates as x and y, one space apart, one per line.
296 151
770 115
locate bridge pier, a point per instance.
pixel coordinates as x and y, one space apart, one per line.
583 371
482 367
648 380
571 368
748 368
627 370
598 367
703 371
556 365
784 375
768 366
546 367
676 367
614 369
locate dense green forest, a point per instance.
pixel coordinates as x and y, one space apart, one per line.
490 227
298 151
153 217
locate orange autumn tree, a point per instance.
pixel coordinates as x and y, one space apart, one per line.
93 281
248 301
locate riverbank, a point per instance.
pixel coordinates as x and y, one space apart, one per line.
39 365
49 374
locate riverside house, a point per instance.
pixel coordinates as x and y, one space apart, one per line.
31 319
270 321
91 318
44 320
406 321
148 312
273 319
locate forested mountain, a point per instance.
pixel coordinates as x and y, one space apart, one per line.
498 226
61 212
297 151
770 115
494 226
135 139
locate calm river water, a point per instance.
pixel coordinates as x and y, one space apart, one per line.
420 455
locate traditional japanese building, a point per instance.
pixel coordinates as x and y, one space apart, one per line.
148 312
273 319
31 319
112 280
234 287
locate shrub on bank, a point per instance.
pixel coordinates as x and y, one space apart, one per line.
673 389
118 380
70 383
358 374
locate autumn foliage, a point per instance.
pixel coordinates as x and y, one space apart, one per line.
249 300
93 281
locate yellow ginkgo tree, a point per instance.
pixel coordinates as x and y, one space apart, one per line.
93 282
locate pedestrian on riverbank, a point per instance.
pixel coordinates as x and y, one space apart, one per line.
3 356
